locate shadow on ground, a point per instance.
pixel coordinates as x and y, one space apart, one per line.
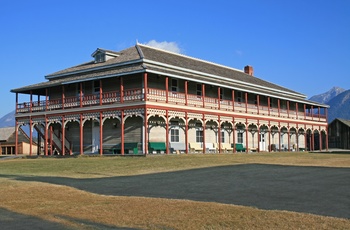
10 220
318 190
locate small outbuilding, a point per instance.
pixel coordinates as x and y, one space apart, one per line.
339 134
8 142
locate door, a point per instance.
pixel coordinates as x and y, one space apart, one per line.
95 137
262 144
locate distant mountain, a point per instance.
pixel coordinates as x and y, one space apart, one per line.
8 120
339 106
327 96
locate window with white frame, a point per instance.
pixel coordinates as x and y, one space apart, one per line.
199 135
174 132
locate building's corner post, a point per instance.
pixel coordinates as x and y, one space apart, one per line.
51 146
122 132
146 132
63 130
233 135
279 107
46 137
269 132
204 127
259 138
167 132
101 133
219 132
81 136
268 105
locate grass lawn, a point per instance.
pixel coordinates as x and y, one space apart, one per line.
79 209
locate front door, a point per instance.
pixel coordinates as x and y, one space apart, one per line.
262 145
95 137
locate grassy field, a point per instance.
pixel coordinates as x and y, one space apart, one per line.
77 209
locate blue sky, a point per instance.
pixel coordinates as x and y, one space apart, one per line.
301 45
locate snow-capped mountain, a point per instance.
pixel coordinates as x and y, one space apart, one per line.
327 96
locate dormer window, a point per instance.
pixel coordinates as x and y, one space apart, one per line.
102 55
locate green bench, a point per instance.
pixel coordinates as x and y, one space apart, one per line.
156 146
239 147
128 147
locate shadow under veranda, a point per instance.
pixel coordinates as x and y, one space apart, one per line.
316 190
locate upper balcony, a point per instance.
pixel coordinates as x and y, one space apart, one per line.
162 96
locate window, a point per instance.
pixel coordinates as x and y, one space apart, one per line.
199 135
100 57
174 132
96 86
174 85
240 137
222 136
199 89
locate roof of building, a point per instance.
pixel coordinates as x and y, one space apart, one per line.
5 133
344 121
142 58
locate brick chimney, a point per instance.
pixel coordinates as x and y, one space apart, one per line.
248 70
